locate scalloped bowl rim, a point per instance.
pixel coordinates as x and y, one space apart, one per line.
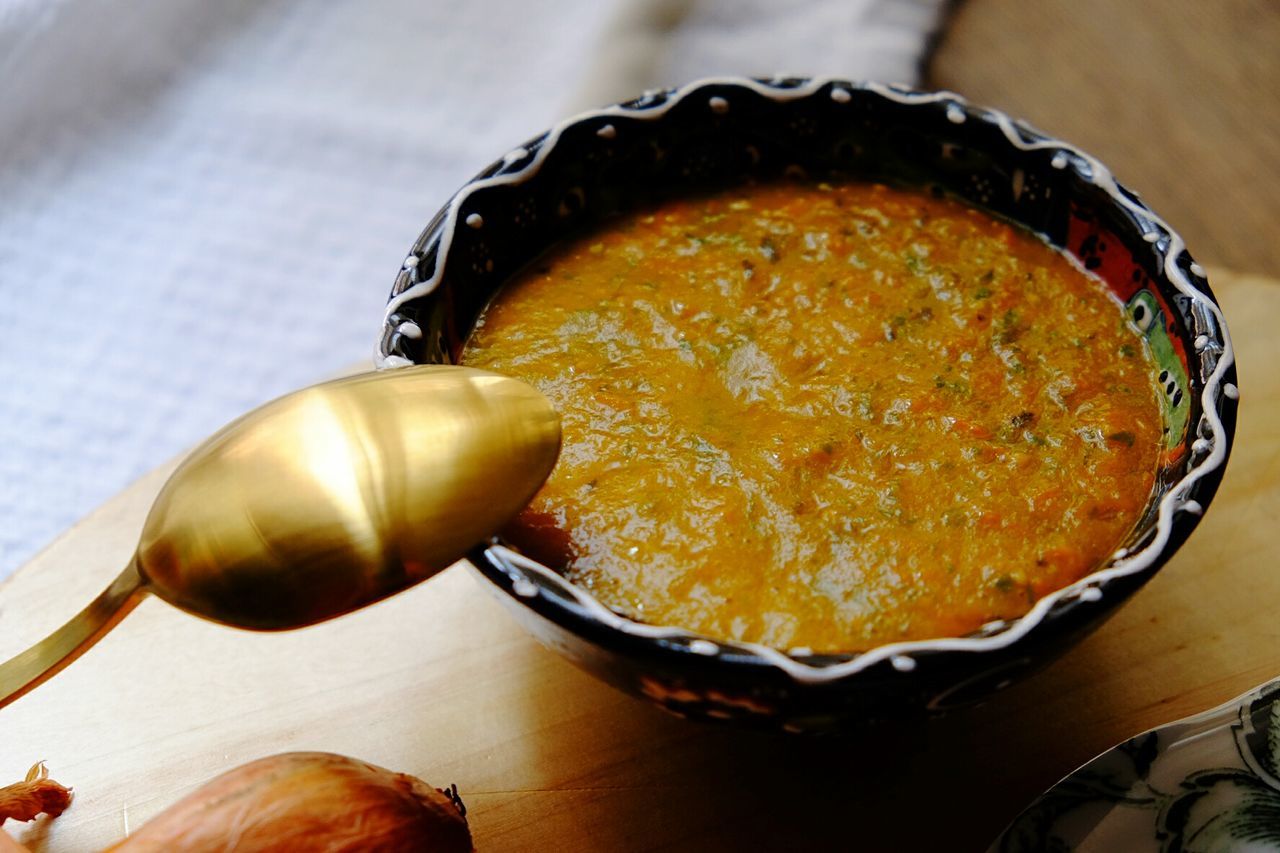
899 654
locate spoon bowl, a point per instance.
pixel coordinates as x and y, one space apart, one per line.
324 501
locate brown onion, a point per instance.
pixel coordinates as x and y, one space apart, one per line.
308 801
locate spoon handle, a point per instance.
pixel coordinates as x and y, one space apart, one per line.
47 658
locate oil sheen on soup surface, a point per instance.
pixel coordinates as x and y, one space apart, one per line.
826 416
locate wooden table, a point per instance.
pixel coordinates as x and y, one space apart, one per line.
439 682
1177 97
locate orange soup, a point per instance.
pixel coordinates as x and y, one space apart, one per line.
826 416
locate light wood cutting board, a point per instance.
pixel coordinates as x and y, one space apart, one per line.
440 683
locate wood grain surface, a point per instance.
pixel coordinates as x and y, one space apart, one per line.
1177 97
439 682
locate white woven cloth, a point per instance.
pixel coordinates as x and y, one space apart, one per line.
203 205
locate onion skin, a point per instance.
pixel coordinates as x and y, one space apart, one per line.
307 801
35 795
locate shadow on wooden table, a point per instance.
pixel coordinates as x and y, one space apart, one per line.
652 781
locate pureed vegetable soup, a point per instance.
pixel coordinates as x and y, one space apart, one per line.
826 416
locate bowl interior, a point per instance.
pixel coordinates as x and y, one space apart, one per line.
717 134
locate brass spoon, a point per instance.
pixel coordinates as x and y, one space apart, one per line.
323 501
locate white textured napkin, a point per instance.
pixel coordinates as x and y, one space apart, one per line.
203 205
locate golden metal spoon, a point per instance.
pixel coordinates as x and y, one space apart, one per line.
323 501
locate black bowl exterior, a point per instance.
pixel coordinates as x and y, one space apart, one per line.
726 682
721 133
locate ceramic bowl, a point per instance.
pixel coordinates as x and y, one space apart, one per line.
723 132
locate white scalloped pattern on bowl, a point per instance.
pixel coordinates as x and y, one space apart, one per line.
1211 445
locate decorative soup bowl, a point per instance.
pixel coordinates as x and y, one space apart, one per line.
728 132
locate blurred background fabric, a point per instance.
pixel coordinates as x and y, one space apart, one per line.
203 205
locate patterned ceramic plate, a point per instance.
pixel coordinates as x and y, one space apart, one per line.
1208 782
